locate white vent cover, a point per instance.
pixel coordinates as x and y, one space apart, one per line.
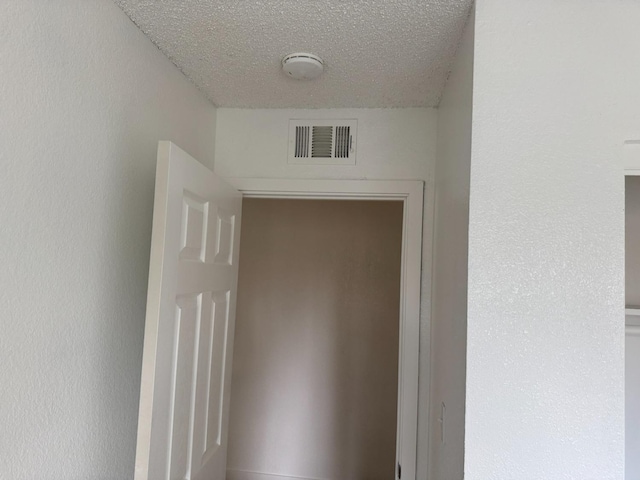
322 142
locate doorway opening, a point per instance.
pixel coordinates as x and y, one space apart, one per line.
632 326
410 195
407 196
315 372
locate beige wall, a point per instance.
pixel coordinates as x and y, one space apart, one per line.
632 241
314 390
632 342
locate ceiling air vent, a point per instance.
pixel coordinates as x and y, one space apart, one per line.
322 142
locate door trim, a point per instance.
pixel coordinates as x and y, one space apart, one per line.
631 158
411 193
632 320
631 161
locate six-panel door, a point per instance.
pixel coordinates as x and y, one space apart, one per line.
184 398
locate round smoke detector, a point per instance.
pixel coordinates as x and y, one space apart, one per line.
302 66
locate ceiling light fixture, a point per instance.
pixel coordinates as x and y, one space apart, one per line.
302 66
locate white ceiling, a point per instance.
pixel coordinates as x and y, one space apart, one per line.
377 53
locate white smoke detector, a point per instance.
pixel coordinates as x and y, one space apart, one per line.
302 66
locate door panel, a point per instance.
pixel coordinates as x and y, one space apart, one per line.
184 397
632 399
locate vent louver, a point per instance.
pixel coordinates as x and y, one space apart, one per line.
322 142
341 149
302 142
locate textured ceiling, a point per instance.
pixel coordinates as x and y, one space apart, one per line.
377 53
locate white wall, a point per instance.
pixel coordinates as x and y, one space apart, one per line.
555 96
451 222
84 98
392 144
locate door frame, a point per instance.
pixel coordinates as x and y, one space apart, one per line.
631 161
411 193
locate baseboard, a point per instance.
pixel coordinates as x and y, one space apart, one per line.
233 474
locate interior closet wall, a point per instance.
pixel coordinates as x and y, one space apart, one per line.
632 240
315 369
632 342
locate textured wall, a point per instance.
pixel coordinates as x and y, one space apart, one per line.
377 53
555 96
397 144
451 222
84 99
315 366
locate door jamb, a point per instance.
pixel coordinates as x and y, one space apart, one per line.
411 193
631 155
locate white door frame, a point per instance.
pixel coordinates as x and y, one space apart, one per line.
632 321
631 158
411 193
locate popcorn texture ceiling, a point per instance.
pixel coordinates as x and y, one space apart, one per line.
377 53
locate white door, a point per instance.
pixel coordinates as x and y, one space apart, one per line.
193 271
632 394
